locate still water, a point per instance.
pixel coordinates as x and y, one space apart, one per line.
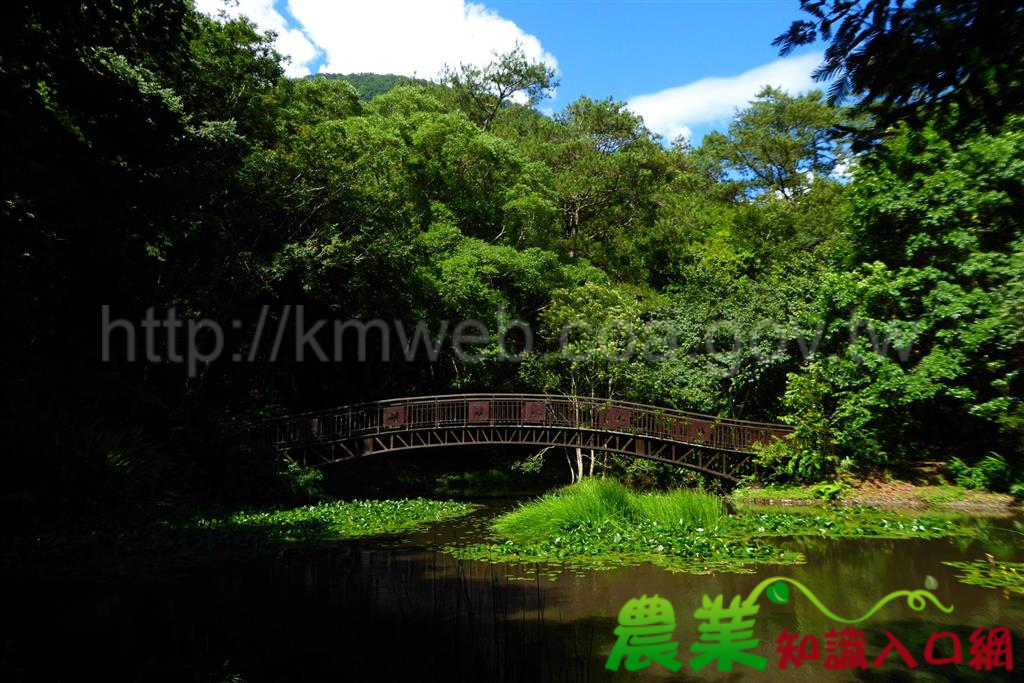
403 610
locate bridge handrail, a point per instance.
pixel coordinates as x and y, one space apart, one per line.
675 412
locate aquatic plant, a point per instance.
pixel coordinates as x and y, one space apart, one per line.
606 546
992 573
853 522
334 520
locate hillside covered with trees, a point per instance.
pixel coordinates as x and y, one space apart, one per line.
370 85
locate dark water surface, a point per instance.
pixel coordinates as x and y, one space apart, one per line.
403 610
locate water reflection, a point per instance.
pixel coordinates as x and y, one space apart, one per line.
405 610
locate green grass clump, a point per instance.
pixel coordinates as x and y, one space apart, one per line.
681 508
591 500
607 502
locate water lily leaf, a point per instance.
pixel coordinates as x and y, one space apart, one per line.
778 593
930 583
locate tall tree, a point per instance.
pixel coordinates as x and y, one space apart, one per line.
779 144
607 170
481 91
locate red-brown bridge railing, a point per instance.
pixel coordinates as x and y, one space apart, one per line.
426 421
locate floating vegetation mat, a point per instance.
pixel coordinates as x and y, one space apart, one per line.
991 573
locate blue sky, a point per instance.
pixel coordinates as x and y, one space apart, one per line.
685 65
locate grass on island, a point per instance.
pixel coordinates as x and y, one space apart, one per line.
608 502
599 523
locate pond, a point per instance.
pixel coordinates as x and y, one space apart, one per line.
401 609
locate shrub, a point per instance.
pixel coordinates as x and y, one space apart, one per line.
302 485
991 473
830 491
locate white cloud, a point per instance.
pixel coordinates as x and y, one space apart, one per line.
409 37
405 37
291 42
676 111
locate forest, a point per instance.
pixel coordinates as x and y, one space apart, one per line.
848 261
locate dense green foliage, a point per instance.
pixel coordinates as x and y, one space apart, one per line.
920 355
936 241
991 473
157 158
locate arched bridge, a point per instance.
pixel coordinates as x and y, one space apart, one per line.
718 446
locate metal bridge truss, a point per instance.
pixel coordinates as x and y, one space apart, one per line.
717 446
